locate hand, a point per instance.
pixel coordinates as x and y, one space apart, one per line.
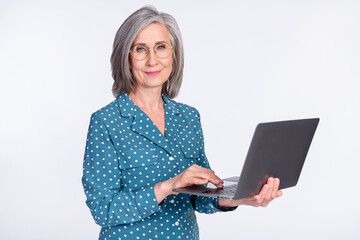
193 175
269 192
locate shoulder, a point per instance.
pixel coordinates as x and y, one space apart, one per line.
190 116
185 110
108 112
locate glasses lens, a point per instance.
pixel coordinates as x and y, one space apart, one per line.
139 52
163 50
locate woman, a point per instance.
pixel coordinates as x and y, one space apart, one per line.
143 144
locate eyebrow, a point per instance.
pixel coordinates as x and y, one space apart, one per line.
144 44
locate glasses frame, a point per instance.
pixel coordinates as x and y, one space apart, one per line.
148 50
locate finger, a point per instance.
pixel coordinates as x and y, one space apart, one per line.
279 193
186 178
220 185
202 181
199 181
263 193
195 166
202 169
188 181
204 173
270 190
255 201
276 188
210 176
216 179
217 182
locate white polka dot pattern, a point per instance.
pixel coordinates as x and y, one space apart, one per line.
126 155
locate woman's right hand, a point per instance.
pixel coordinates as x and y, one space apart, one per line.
193 175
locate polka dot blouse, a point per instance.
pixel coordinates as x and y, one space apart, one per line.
126 155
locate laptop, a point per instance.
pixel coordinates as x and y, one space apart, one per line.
278 149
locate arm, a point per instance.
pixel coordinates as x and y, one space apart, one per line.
269 192
109 204
206 204
193 175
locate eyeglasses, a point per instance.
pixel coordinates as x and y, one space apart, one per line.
140 52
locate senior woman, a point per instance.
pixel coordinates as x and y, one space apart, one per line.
144 144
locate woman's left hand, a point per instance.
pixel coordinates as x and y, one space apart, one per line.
269 192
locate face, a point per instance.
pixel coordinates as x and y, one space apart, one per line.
151 72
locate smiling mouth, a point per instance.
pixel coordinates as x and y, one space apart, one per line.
153 73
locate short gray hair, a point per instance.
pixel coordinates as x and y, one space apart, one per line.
125 36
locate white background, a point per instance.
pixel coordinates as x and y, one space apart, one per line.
245 62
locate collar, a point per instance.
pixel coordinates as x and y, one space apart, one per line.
129 109
172 106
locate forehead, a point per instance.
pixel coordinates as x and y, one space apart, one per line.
153 33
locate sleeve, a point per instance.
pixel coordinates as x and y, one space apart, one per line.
204 204
108 203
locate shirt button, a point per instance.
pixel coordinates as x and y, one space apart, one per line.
171 158
177 223
172 201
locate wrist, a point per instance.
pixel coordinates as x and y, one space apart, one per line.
227 203
167 187
162 190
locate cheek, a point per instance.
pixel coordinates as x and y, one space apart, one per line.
169 64
135 68
133 65
169 68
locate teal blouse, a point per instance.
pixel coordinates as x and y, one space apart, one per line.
126 155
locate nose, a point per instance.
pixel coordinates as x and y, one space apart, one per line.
151 58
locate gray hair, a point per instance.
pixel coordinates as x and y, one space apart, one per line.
125 36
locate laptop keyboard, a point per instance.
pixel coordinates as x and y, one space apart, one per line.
228 190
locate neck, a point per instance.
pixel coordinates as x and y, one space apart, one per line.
147 99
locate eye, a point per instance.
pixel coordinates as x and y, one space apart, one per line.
140 49
161 47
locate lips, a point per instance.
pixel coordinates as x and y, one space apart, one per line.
153 73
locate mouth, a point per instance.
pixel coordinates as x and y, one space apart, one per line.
153 73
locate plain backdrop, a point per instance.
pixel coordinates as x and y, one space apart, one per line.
245 62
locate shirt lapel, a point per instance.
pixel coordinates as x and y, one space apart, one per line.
172 120
141 123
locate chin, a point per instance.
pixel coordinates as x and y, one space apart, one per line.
156 83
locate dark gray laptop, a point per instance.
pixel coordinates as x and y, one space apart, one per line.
278 149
